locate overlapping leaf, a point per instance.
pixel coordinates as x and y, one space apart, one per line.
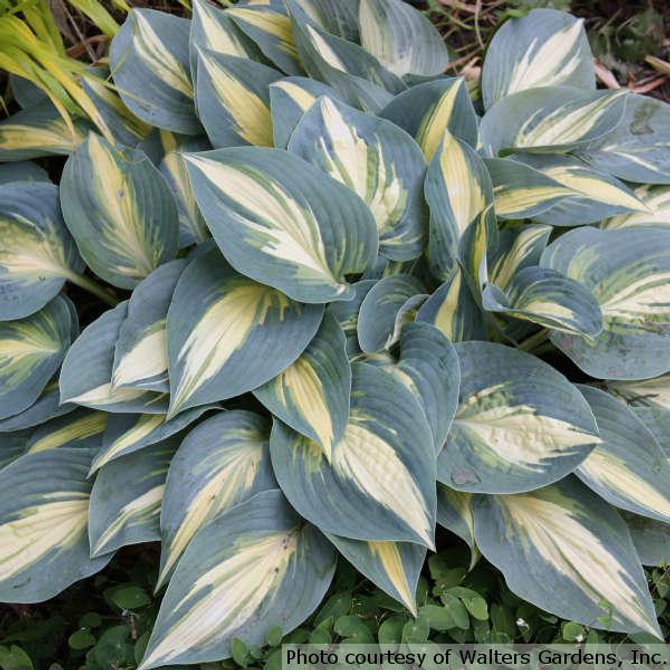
81 428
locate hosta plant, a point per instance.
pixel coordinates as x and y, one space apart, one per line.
350 297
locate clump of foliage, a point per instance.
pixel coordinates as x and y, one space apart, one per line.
354 303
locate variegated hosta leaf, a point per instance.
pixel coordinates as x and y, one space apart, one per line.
120 211
254 567
553 118
548 298
86 374
460 196
339 18
647 393
651 539
520 424
657 201
283 223
128 433
312 394
150 61
123 125
544 48
356 75
346 312
428 366
192 227
637 150
453 310
382 267
126 499
140 354
402 38
426 110
234 99
22 171
395 567
518 247
46 407
44 500
290 98
657 421
12 446
270 29
221 463
594 195
380 484
520 191
628 270
628 469
454 512
82 428
565 550
37 253
212 28
31 349
379 309
39 131
228 334
376 160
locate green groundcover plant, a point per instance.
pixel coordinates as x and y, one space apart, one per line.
350 293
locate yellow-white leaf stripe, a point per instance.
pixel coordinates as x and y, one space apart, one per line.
159 59
55 137
389 556
147 358
550 64
301 96
506 266
509 201
222 329
362 167
271 22
640 300
55 524
516 433
431 131
325 50
123 232
105 394
228 595
571 549
657 201
565 124
365 459
234 473
446 317
293 235
88 425
249 114
654 392
147 505
217 36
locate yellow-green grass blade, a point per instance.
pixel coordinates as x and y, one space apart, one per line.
149 59
86 374
120 211
31 349
628 272
280 222
312 394
44 499
221 463
550 119
544 48
520 423
126 499
380 482
549 299
376 160
140 353
426 110
567 551
257 564
395 567
37 253
227 334
82 428
233 99
637 149
628 469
